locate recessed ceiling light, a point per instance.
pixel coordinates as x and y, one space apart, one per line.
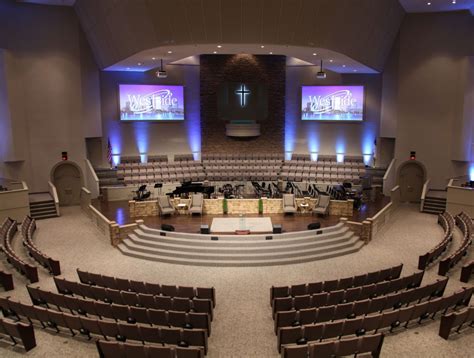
170 51
215 52
355 70
139 63
128 68
331 60
263 46
271 53
314 53
153 58
454 1
343 65
219 46
428 3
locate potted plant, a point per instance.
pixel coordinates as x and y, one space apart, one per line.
260 206
225 208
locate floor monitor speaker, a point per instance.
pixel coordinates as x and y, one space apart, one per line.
277 229
167 227
314 226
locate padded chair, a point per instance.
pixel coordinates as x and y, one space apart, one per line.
322 208
166 208
289 204
195 207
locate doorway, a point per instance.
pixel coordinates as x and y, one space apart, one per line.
67 178
411 177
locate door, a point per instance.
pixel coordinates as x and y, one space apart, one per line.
68 182
410 179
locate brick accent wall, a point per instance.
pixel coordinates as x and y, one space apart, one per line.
217 69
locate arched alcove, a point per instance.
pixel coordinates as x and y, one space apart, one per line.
68 179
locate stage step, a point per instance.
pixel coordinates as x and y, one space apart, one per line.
235 250
434 205
42 208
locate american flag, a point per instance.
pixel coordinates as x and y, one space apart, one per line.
109 152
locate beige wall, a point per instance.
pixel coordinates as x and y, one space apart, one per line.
50 88
429 84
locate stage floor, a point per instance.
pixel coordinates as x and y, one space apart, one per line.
118 211
231 225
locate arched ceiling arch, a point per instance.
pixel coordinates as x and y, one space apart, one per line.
363 30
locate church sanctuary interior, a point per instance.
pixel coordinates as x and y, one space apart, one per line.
236 178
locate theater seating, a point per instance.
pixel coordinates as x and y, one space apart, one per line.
28 228
464 223
456 320
338 284
6 280
446 220
347 295
130 314
108 349
306 315
147 287
24 332
466 271
7 232
109 295
344 347
373 323
105 328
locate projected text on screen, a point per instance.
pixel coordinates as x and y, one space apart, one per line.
151 103
332 103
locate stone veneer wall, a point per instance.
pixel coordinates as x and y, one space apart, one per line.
217 69
143 208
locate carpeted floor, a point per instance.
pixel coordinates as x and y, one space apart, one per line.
242 326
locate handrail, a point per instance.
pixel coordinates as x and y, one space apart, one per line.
53 192
426 188
92 180
389 178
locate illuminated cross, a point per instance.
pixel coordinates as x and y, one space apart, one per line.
242 92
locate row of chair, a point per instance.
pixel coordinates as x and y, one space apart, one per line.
466 271
351 346
9 229
446 220
456 320
358 308
153 158
28 228
119 331
130 314
348 295
156 289
24 332
109 349
339 284
128 298
242 156
6 280
360 326
465 224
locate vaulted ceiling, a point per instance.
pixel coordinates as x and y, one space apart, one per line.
363 30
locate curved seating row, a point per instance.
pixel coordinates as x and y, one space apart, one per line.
146 287
358 308
28 227
333 285
6 280
446 220
465 225
466 271
456 320
360 326
24 332
134 299
344 347
9 229
349 295
119 331
109 349
129 314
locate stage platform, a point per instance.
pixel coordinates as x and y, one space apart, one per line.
251 224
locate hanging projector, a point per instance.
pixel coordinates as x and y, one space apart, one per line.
161 73
321 74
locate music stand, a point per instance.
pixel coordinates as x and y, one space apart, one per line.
158 186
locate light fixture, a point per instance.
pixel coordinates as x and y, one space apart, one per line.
219 46
139 63
170 52
343 65
215 52
161 73
263 46
428 3
271 53
355 70
128 68
321 74
314 54
153 58
454 1
331 60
